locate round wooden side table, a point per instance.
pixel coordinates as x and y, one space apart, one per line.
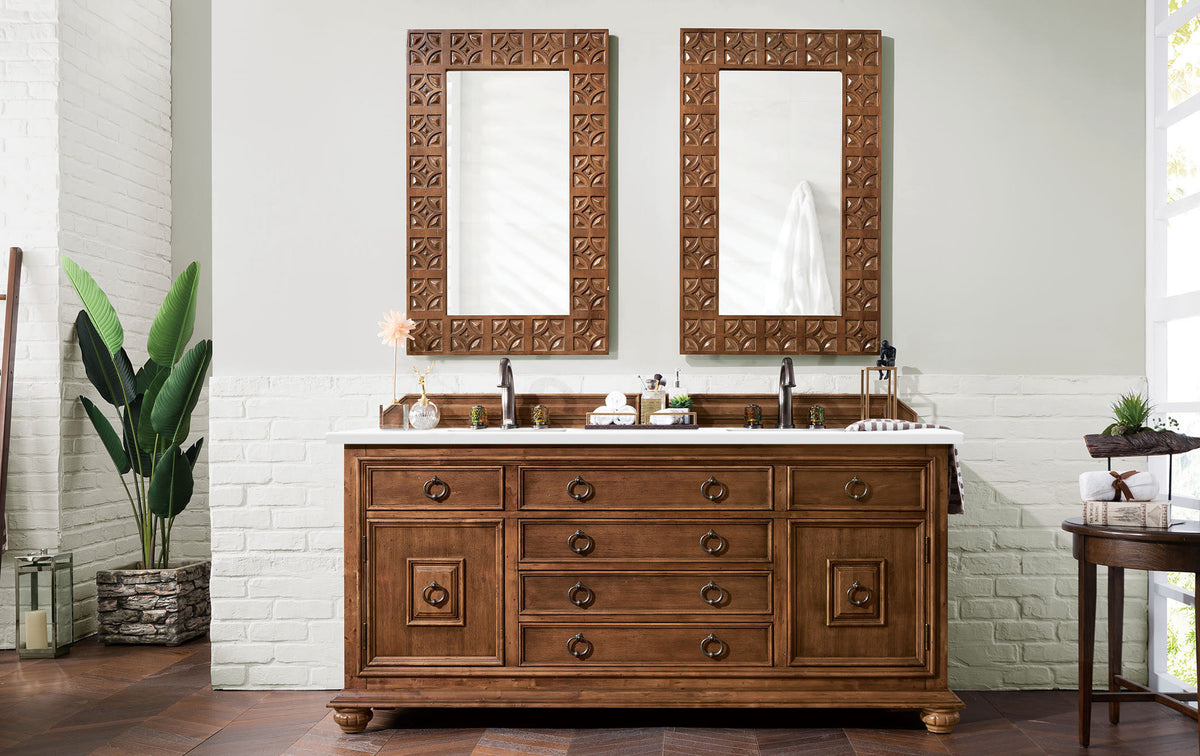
1175 549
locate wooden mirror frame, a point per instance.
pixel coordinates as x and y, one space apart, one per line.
704 53
584 54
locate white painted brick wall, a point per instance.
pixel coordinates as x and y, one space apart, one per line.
277 517
29 219
115 214
85 155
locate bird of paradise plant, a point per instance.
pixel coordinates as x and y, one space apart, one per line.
397 329
154 404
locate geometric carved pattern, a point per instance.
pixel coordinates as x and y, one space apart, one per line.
820 335
426 252
583 54
741 335
549 335
507 335
781 335
862 295
862 254
856 55
699 253
589 294
862 335
589 253
700 294
466 335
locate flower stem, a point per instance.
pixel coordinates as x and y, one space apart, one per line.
395 367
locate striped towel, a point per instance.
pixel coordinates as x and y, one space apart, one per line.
956 479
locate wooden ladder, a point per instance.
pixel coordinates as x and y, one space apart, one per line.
10 298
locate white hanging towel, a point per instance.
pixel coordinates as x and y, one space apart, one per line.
799 283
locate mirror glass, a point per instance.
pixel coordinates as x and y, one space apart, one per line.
508 192
780 192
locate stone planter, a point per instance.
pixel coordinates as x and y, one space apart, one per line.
156 607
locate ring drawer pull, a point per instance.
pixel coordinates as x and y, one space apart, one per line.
434 594
581 596
856 588
713 647
587 489
580 647
436 482
706 486
708 589
580 548
711 535
857 489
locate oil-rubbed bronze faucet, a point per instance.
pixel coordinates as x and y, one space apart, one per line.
508 397
787 380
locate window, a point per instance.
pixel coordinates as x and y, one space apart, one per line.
1173 306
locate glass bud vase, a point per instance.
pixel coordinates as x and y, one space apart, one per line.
423 416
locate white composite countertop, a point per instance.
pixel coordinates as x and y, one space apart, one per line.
631 436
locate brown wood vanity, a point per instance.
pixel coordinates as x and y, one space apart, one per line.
520 568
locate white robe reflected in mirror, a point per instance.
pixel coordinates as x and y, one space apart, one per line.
799 281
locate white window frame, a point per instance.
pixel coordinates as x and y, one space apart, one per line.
1160 308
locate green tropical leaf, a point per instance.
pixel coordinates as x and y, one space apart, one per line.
175 319
171 485
111 373
109 436
95 301
141 461
173 407
147 437
146 375
193 451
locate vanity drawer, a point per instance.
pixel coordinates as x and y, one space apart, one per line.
608 593
403 487
858 487
707 541
642 488
645 645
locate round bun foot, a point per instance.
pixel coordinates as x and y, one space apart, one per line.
355 720
940 721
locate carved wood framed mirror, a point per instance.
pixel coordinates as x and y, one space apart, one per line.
508 216
779 191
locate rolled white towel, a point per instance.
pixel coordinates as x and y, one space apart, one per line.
628 416
615 400
600 416
1098 486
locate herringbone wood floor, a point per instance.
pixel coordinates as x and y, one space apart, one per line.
157 701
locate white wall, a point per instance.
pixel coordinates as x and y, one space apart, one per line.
1013 267
1014 216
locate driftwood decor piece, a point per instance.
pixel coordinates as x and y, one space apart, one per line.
583 53
857 55
1146 443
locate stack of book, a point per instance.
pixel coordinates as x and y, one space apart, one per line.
1127 499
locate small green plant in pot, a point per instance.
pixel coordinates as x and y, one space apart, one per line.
154 404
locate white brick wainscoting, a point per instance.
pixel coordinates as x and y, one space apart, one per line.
276 507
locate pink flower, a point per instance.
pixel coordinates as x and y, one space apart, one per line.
396 328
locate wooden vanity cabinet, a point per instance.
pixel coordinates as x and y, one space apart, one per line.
646 576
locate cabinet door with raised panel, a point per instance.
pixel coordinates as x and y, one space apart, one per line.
860 596
434 593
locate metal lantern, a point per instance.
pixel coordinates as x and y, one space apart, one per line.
45 605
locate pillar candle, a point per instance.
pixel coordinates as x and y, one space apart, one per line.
35 629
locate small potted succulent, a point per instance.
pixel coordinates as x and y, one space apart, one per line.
1132 434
